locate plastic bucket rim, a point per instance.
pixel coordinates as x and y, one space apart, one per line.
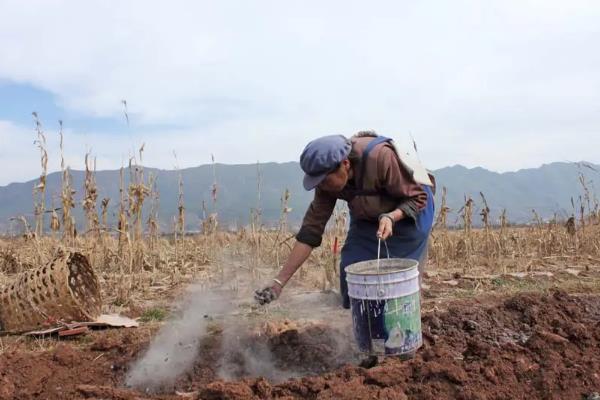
385 268
381 283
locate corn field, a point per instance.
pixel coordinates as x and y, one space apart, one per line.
133 255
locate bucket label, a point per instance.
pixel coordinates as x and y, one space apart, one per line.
390 326
402 322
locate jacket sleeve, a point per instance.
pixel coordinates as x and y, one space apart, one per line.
316 217
398 183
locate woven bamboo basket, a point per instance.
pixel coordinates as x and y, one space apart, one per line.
64 290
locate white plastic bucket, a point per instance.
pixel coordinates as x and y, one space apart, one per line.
385 302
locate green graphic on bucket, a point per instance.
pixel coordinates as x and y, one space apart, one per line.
402 321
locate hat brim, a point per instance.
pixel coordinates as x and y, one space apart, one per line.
310 182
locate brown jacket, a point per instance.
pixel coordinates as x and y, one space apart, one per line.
386 186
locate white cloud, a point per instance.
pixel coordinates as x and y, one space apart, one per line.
19 155
504 84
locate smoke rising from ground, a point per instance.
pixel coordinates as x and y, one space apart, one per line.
175 348
252 341
241 359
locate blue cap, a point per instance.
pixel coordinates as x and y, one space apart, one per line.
322 156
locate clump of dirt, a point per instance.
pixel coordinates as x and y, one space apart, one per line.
286 349
526 346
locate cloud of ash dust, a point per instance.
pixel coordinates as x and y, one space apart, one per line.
247 350
244 357
175 348
315 336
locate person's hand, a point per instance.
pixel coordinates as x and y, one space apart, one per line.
268 294
386 224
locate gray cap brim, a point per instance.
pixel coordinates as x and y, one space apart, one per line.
310 182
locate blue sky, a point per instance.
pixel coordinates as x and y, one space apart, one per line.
498 84
19 100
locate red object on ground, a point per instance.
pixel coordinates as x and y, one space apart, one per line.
74 331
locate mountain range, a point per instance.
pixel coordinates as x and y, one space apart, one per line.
550 190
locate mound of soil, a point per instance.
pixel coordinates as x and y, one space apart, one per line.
285 350
275 352
523 347
527 346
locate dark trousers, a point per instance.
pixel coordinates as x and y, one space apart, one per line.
409 240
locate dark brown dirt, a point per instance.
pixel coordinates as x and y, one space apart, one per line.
522 347
275 352
57 373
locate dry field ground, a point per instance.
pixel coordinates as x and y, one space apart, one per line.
507 313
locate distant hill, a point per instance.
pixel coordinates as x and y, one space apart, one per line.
547 189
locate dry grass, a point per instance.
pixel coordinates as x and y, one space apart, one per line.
133 262
157 263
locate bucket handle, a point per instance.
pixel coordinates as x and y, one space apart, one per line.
380 291
387 250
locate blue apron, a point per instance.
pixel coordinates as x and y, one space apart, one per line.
409 240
